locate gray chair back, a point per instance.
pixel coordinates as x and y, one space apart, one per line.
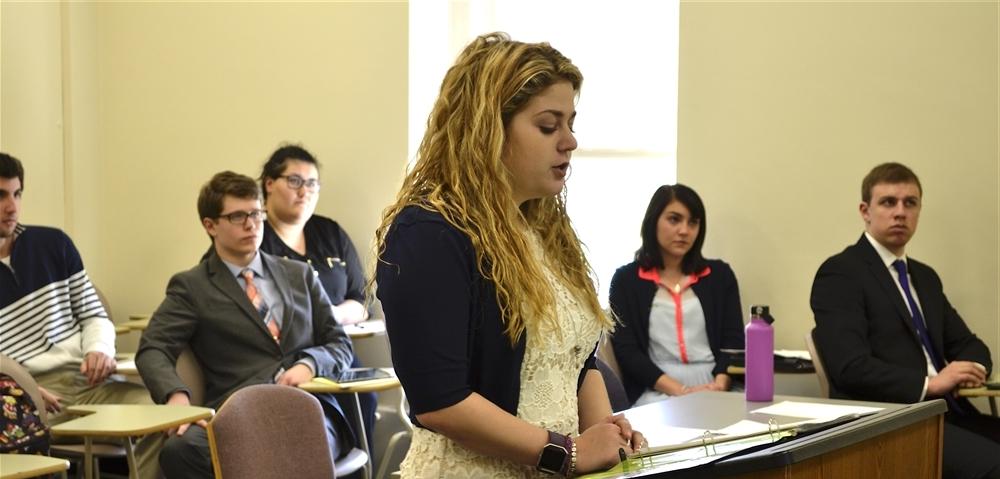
189 371
817 360
616 391
268 431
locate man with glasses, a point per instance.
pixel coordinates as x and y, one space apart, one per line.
52 320
248 317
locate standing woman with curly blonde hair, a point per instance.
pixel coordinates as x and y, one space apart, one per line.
491 313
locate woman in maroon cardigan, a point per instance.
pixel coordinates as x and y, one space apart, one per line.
677 309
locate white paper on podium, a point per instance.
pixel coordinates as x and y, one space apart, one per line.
813 411
671 435
793 353
742 428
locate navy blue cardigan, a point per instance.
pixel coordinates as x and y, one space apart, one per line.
631 299
444 325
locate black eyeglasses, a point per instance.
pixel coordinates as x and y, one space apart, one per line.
240 217
295 182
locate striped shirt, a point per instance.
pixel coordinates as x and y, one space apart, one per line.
50 314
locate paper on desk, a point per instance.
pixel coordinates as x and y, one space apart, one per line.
793 353
670 435
817 411
743 428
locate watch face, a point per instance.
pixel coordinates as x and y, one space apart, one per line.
552 458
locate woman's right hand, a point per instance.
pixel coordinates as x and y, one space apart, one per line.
671 387
51 399
597 448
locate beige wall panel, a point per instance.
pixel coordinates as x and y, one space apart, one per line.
187 90
784 107
85 176
31 105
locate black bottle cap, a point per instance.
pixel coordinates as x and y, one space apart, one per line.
762 311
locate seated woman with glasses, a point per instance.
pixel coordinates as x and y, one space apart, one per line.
290 183
678 310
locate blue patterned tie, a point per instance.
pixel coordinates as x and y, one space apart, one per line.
918 324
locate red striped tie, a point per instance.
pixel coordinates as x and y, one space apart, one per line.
258 304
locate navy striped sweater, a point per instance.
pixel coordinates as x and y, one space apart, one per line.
50 314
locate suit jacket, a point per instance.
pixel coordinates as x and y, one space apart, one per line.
631 300
207 309
865 334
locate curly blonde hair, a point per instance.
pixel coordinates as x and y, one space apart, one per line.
460 175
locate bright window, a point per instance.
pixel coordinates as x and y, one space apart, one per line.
627 114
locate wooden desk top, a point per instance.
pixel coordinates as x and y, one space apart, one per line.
16 466
365 329
137 323
128 419
324 385
979 392
127 367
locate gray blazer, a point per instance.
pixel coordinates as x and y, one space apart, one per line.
206 309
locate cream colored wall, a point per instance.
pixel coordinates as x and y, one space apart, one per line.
31 106
784 107
160 96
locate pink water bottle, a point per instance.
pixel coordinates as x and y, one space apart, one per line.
760 355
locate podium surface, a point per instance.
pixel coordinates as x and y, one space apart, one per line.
901 440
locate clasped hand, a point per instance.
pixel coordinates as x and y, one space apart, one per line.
957 374
598 446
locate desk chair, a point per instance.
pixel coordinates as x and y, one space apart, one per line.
399 442
268 431
616 391
104 303
606 353
189 370
824 383
393 429
72 452
607 363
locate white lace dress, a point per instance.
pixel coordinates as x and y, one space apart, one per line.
548 396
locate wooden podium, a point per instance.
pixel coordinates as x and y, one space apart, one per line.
901 440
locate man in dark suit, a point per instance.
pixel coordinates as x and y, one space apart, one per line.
887 332
248 317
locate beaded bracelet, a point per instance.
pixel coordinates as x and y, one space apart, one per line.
569 467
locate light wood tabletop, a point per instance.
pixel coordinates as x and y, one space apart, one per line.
16 466
365 329
139 324
324 385
980 392
127 421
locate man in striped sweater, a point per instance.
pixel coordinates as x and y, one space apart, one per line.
51 319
